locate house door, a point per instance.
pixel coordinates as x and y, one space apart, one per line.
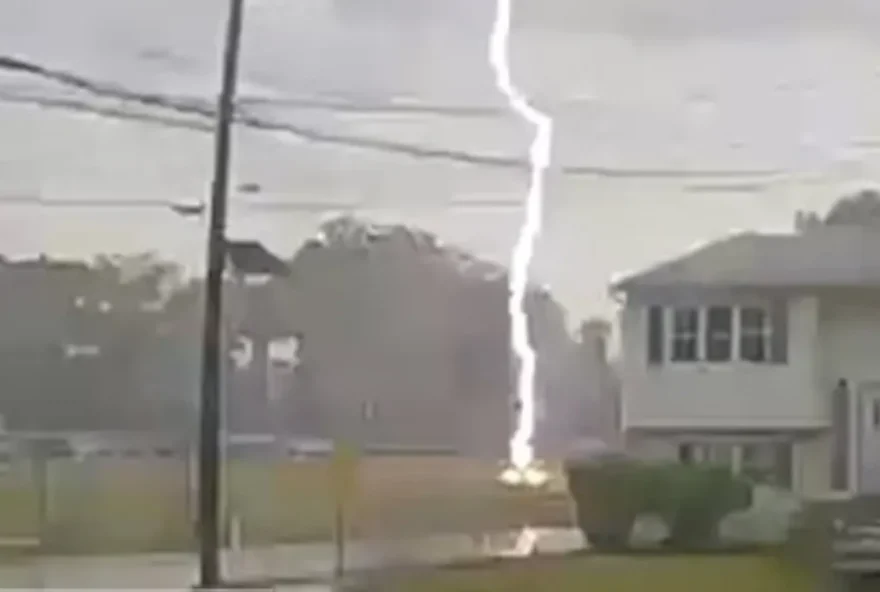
869 481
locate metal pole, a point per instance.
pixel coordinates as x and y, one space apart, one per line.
339 535
211 404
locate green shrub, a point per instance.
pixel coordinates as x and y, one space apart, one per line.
610 493
693 499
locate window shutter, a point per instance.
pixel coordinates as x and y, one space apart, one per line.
655 335
779 324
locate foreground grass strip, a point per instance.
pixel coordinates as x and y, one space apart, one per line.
615 573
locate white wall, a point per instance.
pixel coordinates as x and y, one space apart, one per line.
832 336
850 348
811 463
726 395
652 448
850 339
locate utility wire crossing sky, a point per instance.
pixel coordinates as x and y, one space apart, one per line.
198 108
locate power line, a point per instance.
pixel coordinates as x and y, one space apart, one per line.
199 108
376 108
28 200
197 208
105 111
302 104
183 208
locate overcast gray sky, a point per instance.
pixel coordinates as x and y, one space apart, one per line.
787 88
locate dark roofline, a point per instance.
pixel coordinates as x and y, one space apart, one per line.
635 280
726 264
672 293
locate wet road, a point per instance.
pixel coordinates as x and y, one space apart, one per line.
176 571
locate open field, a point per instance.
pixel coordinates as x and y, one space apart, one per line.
142 505
618 574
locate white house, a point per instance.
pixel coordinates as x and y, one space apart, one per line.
761 351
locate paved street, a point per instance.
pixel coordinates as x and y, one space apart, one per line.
174 571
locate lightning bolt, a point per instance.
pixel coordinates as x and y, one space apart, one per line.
522 451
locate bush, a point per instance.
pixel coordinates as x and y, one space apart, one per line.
693 499
610 493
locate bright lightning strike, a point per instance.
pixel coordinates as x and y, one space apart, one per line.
522 452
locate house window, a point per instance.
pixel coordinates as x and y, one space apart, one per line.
756 335
685 334
719 453
768 463
719 333
686 454
715 453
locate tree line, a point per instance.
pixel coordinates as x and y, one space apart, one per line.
385 316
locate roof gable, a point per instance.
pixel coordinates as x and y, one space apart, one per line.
822 257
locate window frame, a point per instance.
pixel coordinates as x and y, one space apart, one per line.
779 475
765 334
731 336
674 336
672 339
733 455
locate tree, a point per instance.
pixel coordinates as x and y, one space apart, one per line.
76 339
392 318
859 209
402 340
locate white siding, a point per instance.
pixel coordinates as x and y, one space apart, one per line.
652 448
850 347
831 337
850 340
811 464
726 395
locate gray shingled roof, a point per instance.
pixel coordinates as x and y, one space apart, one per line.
821 257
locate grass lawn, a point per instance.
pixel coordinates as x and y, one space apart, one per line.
130 505
616 574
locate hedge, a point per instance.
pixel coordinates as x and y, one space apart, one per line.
611 493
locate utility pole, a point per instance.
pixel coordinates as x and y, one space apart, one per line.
209 524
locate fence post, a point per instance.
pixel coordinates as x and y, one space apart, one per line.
40 469
339 536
